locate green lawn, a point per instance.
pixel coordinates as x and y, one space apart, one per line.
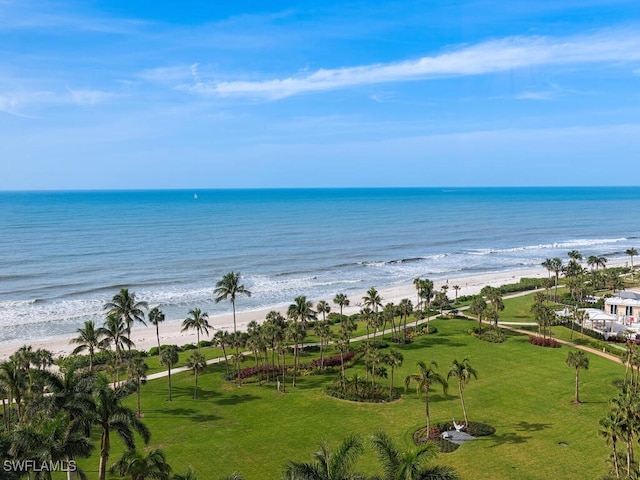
524 391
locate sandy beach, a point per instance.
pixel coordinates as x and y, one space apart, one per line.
145 337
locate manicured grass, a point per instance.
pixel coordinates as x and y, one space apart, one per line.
524 391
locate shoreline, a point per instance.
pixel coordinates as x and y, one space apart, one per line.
145 337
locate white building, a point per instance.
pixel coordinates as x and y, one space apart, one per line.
625 306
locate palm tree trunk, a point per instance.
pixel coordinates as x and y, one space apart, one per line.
158 337
426 410
105 447
577 379
4 415
226 360
295 362
71 474
138 393
464 409
391 384
195 390
169 369
284 369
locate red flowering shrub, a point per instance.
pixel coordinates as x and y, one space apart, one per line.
544 342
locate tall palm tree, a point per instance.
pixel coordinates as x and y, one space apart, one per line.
229 288
197 363
153 465
424 379
137 370
112 416
88 339
324 308
592 261
578 360
632 252
601 262
169 357
301 310
295 332
329 465
556 267
463 371
456 288
548 265
342 301
198 321
373 300
575 255
125 306
411 465
156 317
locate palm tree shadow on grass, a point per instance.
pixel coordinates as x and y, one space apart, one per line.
511 438
532 427
237 399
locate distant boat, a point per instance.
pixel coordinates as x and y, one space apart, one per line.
195 196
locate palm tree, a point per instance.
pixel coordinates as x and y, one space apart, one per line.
114 333
137 370
156 317
198 321
556 267
424 379
221 338
631 252
52 441
592 261
342 301
463 371
412 465
168 358
610 431
394 359
575 255
124 306
228 288
478 307
456 288
189 475
197 363
601 262
112 416
372 300
578 360
328 465
301 310
88 339
153 465
295 332
494 296
324 308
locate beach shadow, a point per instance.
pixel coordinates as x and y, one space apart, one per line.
532 427
204 418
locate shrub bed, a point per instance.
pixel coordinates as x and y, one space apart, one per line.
544 342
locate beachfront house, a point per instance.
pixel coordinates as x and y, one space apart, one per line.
625 306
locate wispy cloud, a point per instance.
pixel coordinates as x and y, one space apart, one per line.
482 58
89 97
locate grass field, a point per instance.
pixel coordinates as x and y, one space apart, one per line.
524 391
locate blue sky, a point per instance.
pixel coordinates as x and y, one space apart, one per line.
141 94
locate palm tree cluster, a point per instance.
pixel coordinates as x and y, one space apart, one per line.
396 464
427 376
49 416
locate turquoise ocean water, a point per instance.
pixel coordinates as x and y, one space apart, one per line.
63 254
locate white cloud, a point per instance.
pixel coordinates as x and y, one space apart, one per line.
483 58
89 97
